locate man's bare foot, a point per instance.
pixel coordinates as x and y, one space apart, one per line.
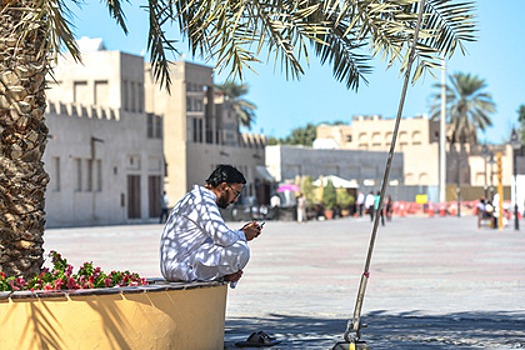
234 277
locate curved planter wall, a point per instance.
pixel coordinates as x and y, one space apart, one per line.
161 315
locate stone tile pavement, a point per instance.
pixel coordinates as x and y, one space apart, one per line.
436 283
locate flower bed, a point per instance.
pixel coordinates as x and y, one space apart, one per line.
61 277
140 314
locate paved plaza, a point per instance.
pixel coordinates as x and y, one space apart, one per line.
435 283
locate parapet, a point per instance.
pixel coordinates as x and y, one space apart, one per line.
253 141
78 110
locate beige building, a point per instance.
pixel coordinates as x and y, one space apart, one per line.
105 164
201 131
418 140
106 155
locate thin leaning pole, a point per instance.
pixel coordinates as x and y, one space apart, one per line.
355 325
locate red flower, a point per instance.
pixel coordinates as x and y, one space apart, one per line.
12 283
72 284
59 283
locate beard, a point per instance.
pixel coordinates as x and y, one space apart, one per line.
223 202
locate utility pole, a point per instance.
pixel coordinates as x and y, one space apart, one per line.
443 135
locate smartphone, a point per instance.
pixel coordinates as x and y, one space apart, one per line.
262 224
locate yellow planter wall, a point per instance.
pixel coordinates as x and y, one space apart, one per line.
175 319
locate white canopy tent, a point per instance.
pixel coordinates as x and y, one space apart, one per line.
337 181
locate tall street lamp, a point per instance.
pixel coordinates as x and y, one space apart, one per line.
485 154
458 187
516 146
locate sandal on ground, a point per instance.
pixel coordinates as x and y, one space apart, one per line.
258 340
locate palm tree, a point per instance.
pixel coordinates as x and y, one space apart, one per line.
468 107
233 33
244 109
521 120
468 110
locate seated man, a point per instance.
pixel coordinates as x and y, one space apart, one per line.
196 243
484 211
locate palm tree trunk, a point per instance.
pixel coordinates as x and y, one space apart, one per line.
23 180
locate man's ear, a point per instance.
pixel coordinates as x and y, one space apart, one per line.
223 186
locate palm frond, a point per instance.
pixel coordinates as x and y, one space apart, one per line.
54 16
116 12
158 44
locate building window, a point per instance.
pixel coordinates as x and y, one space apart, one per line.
150 120
140 98
98 172
416 138
133 97
89 175
101 93
194 129
125 96
154 126
200 131
80 92
55 177
78 175
158 127
348 138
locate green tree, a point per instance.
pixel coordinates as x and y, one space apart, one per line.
272 141
301 136
521 119
468 107
329 195
345 199
308 190
233 34
244 109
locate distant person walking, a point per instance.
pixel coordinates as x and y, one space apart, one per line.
377 200
360 202
369 205
164 205
389 207
301 208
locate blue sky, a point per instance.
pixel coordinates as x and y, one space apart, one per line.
498 57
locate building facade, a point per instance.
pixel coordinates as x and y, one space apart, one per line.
418 140
104 158
201 131
361 167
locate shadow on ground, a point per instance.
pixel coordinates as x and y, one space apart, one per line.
409 331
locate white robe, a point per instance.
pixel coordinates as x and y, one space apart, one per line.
196 243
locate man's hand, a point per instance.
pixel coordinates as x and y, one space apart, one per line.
234 277
251 230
